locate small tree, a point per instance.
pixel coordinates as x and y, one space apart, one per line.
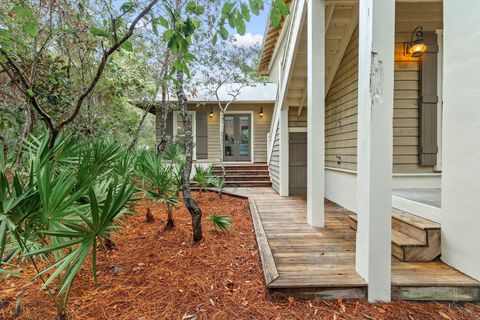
44 88
226 70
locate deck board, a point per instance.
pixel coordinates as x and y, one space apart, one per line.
324 258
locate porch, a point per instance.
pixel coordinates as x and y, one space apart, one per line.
305 261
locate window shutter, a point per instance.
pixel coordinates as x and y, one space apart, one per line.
169 125
202 135
428 102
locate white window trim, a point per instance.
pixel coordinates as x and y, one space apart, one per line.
252 140
438 166
176 114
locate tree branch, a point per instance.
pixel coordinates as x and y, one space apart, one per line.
103 63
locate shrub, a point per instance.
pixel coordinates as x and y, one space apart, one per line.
221 222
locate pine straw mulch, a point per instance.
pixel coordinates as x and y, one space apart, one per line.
157 274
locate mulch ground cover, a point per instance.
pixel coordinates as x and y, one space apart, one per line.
158 274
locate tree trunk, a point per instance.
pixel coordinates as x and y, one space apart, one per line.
170 222
222 141
27 129
139 128
190 203
161 112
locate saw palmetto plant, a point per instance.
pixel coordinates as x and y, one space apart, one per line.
62 208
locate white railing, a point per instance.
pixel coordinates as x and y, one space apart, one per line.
286 64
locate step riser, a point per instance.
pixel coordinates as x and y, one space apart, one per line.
248 184
242 168
241 173
409 230
247 178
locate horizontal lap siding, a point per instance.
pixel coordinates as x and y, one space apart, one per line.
341 112
341 102
274 165
295 121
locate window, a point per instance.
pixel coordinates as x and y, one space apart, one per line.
178 129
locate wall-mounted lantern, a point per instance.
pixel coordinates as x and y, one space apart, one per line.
261 112
416 47
211 112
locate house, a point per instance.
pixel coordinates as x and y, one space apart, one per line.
247 123
377 107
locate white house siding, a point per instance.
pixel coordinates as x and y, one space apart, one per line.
261 126
461 145
274 165
341 103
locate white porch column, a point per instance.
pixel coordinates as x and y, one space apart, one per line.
461 129
316 113
284 161
374 163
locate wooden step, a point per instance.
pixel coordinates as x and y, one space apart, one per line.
244 184
240 172
413 238
253 166
230 178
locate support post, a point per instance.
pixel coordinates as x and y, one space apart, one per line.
375 144
284 153
316 113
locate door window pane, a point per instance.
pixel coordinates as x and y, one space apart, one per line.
229 136
244 122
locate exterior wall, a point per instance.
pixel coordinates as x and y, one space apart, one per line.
341 101
461 145
294 121
274 165
261 126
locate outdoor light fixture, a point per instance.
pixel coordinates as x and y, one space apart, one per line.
211 113
415 48
261 112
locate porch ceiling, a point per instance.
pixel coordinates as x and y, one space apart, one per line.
341 21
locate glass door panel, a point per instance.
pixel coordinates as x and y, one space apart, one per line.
237 138
244 137
229 153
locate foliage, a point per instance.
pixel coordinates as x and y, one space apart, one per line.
162 177
205 178
221 222
63 206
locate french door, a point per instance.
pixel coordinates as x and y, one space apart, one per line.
238 137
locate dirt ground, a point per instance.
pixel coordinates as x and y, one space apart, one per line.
157 274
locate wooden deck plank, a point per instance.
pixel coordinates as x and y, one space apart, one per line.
320 262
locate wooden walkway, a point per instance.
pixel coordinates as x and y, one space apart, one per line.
305 261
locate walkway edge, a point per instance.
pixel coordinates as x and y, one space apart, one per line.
269 267
270 271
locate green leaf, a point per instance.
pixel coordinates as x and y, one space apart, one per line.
30 93
254 7
223 33
282 6
245 11
98 32
276 17
31 28
168 35
162 21
227 8
240 24
25 12
127 46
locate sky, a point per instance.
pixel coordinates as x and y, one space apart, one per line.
255 28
